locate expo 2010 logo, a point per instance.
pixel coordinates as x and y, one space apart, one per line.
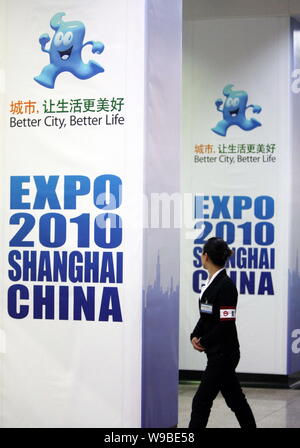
65 52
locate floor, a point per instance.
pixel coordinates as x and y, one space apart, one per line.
272 408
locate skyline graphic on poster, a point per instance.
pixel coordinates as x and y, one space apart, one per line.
160 325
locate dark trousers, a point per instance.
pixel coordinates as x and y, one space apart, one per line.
220 376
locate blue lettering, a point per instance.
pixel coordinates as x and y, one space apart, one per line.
108 232
14 274
17 192
75 271
91 266
232 275
60 266
46 192
44 271
220 207
264 262
110 305
63 303
199 278
264 207
197 257
247 282
240 203
119 267
71 190
241 258
84 303
29 265
266 284
252 258
200 206
15 294
107 192
107 268
43 302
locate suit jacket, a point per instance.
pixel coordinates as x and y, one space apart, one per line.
216 326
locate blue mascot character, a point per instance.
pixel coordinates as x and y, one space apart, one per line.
234 111
65 52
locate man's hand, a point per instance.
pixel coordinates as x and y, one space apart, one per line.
196 344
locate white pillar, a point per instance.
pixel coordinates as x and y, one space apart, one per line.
84 141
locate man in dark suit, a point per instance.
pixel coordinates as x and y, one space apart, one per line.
216 335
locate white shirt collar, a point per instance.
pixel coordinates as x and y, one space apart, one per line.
209 281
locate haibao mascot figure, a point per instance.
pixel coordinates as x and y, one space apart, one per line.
65 52
234 111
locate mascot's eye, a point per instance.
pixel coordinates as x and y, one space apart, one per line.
235 102
58 38
68 37
229 102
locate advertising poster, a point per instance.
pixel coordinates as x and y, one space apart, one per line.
235 160
90 120
72 134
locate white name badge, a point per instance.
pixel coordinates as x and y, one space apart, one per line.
205 308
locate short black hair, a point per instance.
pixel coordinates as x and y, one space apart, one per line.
218 251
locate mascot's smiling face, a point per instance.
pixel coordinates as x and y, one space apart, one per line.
235 105
67 42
